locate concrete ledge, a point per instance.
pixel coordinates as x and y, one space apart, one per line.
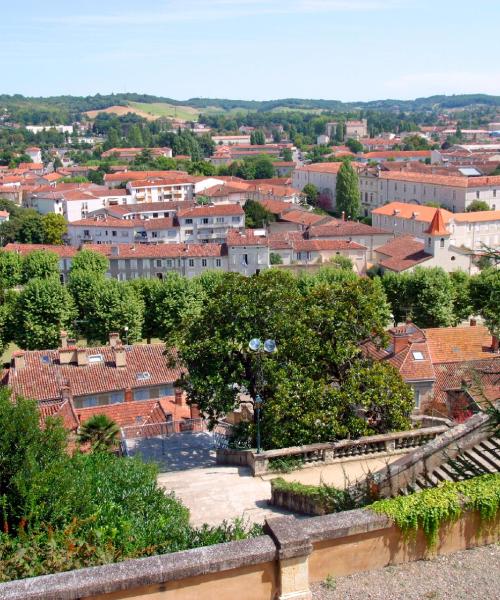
344 524
142 572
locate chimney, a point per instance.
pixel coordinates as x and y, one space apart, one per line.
114 339
81 357
120 356
19 359
67 354
343 215
495 345
473 322
64 339
400 339
179 397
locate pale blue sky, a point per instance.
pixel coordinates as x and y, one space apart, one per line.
251 49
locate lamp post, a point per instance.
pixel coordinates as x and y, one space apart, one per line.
260 348
125 329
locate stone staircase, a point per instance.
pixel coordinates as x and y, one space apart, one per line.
464 451
481 459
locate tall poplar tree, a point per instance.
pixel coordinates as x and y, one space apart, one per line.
347 192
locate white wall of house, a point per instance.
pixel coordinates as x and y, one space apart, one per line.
248 260
209 229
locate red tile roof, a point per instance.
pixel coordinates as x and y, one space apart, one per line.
454 181
24 249
437 226
399 154
329 167
455 344
138 175
402 253
43 376
304 217
343 228
118 251
245 238
320 245
412 211
162 181
106 221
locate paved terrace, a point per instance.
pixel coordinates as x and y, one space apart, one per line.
214 493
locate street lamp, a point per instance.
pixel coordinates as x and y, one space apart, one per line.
125 329
260 348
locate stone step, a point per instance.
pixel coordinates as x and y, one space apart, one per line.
442 475
488 465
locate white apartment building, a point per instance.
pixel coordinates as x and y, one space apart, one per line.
164 189
209 223
471 230
76 202
110 230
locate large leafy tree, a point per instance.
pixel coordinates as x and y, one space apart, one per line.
427 296
256 215
317 322
485 297
89 261
54 228
10 270
40 264
311 194
347 193
41 310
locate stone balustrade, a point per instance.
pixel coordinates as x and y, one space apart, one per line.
386 444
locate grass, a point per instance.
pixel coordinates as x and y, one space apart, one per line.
163 109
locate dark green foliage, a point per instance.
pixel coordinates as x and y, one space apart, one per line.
485 297
315 384
256 215
61 512
54 228
347 193
100 432
10 270
41 310
327 498
311 194
425 295
477 205
257 138
40 264
275 258
354 145
89 261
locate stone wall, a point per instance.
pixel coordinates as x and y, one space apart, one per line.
282 563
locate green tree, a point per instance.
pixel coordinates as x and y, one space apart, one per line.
477 205
286 155
318 323
90 262
256 215
342 262
347 191
30 229
264 168
354 145
40 264
43 308
484 290
275 258
257 138
54 228
100 432
10 270
134 137
311 193
462 304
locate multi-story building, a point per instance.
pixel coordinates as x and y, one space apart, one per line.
162 189
209 223
133 385
129 154
454 192
247 251
472 230
439 363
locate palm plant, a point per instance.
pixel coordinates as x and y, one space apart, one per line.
100 432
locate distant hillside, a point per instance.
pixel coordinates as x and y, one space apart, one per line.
64 109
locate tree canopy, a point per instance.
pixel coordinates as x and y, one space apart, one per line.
347 193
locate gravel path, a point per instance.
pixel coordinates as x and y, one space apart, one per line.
468 575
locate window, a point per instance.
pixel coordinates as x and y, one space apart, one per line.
86 233
154 234
143 376
219 220
113 233
191 262
188 221
155 215
189 232
141 394
218 262
116 397
95 358
441 243
158 263
244 260
203 262
205 221
235 219
418 355
477 195
416 397
169 262
133 263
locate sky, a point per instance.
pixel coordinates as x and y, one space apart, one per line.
250 49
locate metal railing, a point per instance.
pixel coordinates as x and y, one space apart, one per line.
163 429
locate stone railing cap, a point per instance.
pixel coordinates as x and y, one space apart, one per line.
83 583
289 535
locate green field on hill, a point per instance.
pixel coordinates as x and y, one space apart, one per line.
163 109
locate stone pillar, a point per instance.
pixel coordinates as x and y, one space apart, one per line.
294 548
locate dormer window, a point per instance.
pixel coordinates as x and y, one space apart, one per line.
418 355
95 358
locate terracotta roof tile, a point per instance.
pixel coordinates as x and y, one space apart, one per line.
402 253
